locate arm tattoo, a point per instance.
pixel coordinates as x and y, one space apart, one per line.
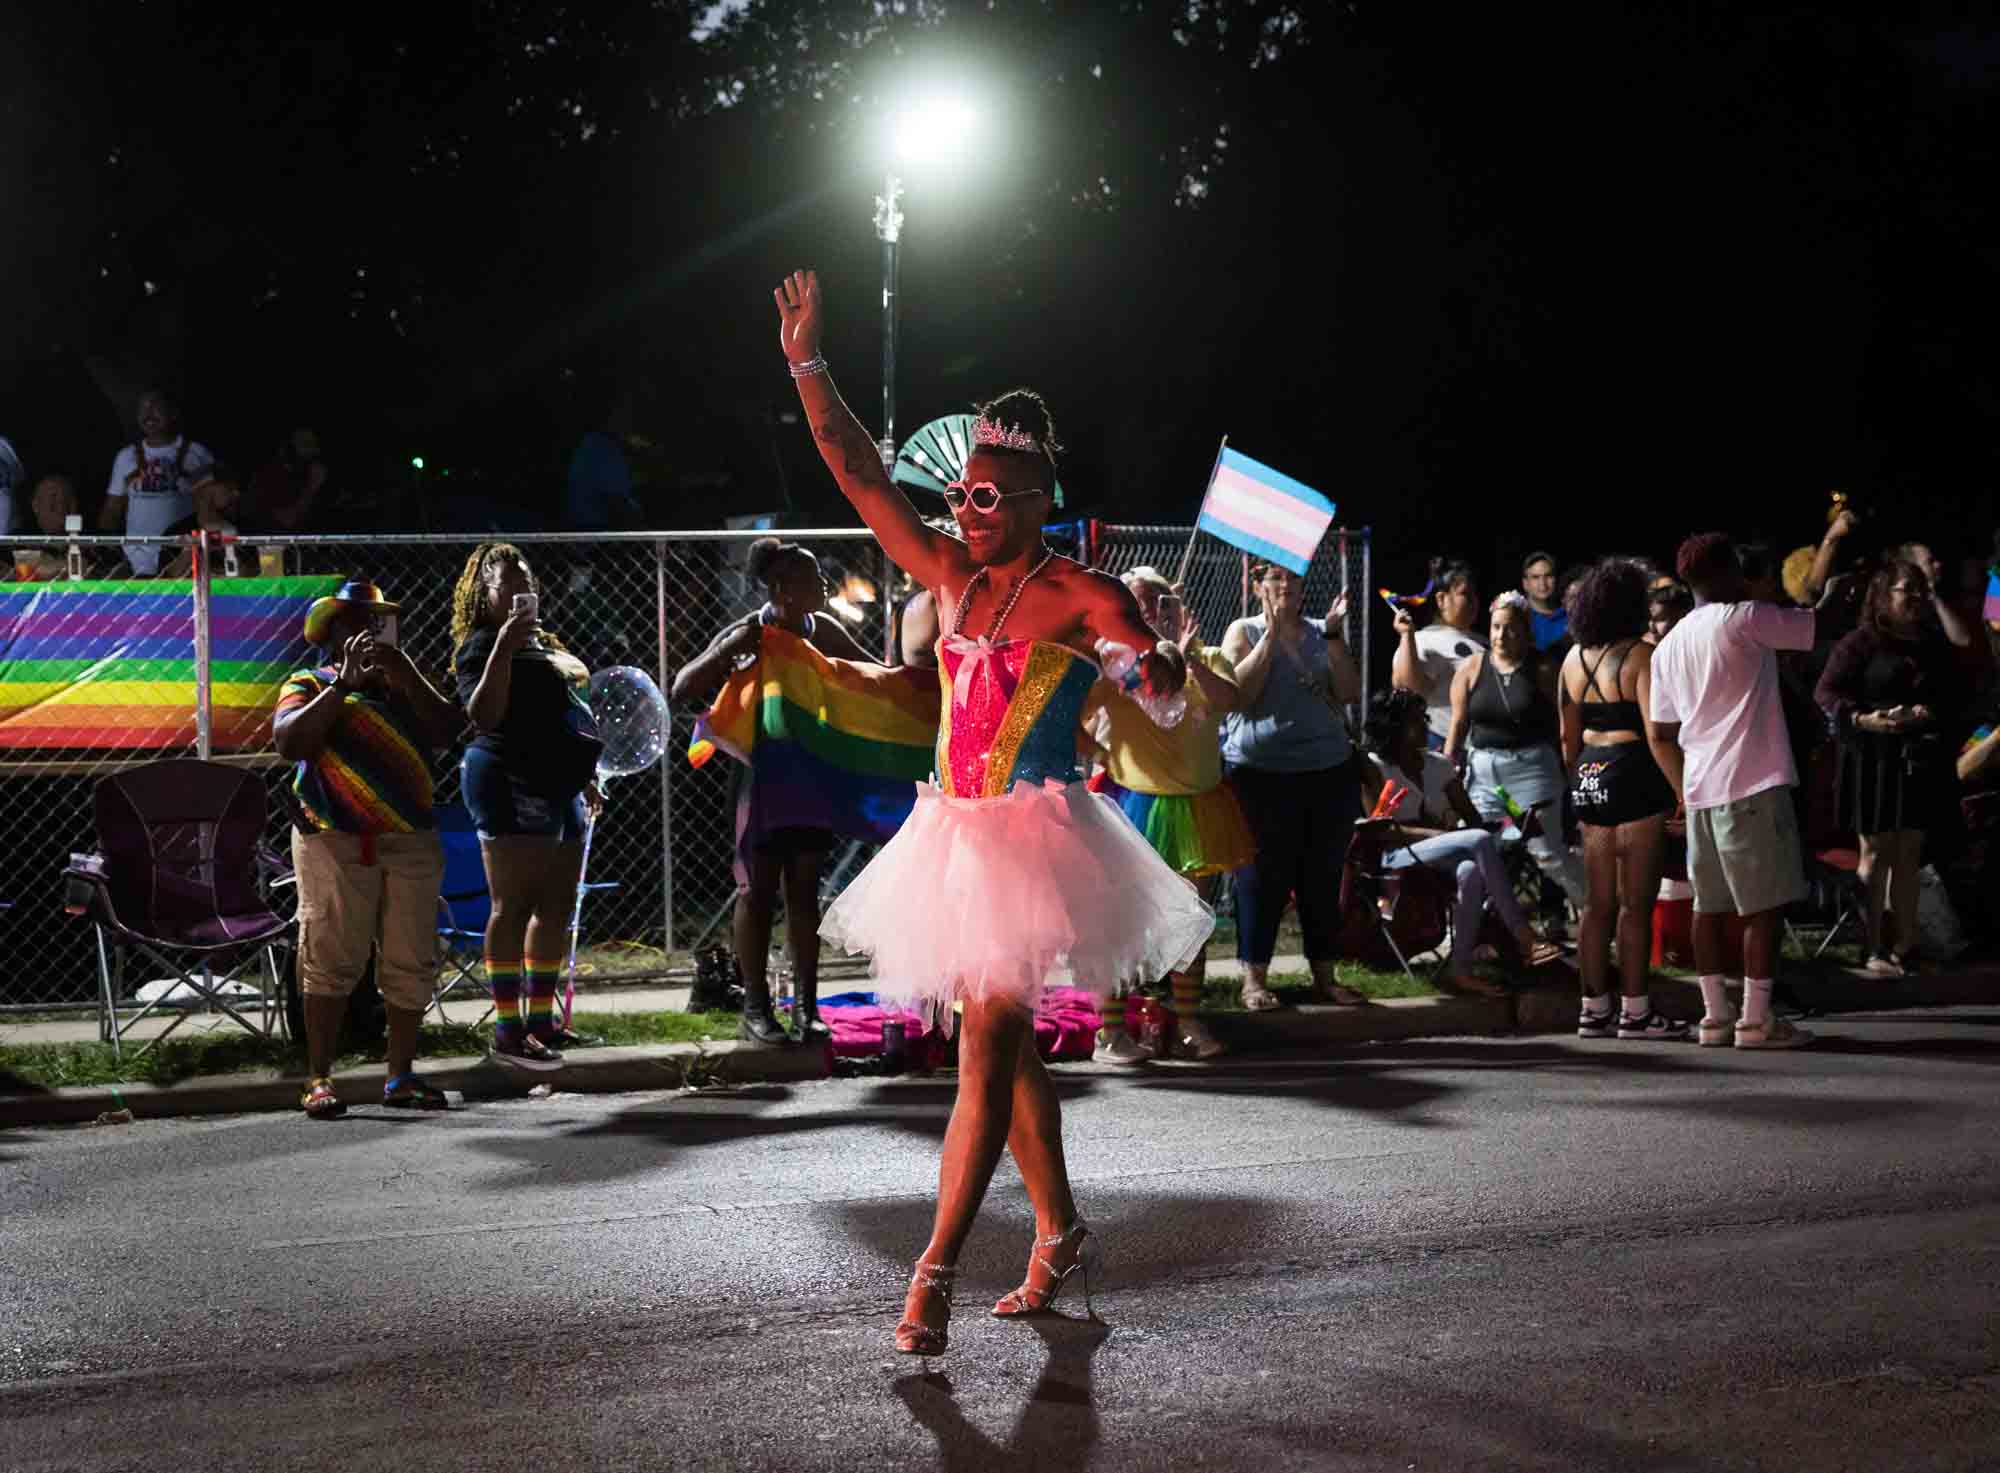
840 433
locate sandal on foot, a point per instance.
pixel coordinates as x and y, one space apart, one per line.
409 1092
1257 998
1346 997
913 1337
1540 955
1026 1300
1481 986
319 1101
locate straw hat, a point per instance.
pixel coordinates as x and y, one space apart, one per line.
355 593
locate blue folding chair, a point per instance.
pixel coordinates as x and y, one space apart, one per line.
463 907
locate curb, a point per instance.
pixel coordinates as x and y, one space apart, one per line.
1548 1009
591 1071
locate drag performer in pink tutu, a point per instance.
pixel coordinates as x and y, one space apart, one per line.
1008 865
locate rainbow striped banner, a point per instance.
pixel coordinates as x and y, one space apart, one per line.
97 664
832 744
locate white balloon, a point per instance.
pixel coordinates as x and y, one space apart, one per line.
631 720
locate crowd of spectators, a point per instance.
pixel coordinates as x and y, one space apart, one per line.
163 483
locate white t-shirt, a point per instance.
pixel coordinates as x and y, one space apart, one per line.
12 478
1441 649
1424 803
1716 673
156 498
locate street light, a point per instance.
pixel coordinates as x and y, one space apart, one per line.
927 133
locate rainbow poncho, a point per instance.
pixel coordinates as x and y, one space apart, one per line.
95 664
831 744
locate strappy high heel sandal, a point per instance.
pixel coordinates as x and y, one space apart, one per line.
1026 1300
913 1338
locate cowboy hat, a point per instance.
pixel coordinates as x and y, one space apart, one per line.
355 593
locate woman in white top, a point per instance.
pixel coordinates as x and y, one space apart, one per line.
1426 659
1433 823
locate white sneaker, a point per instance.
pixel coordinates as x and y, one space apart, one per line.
1716 1032
1772 1032
1116 1046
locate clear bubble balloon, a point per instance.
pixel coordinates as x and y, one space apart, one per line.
631 720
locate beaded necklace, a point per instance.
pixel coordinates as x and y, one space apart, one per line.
978 579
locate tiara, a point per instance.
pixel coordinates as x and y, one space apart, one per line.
1513 598
989 432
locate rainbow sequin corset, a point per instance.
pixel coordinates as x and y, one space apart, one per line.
1010 714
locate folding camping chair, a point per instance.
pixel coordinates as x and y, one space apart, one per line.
465 904
182 872
463 907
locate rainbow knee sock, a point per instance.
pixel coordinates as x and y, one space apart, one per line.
503 980
541 1013
1111 1014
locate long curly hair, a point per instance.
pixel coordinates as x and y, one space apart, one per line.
468 598
1608 603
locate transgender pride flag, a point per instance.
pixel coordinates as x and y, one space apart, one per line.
1264 512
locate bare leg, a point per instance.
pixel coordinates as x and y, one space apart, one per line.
1760 944
1034 1138
1904 888
403 1025
323 1015
554 900
1711 944
1639 848
991 1035
801 883
1600 864
1874 875
750 930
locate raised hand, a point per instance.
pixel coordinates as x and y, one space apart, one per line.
798 300
1336 614
357 660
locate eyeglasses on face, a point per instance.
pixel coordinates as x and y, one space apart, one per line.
984 495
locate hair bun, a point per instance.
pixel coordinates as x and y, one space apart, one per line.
1024 409
762 553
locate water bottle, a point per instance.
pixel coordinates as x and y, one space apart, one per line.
74 563
1121 663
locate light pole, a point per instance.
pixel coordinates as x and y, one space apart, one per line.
889 230
928 134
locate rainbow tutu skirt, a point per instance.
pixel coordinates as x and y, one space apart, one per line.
1197 836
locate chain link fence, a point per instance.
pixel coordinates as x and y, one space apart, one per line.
642 599
1216 586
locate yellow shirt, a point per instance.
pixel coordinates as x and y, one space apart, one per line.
1147 758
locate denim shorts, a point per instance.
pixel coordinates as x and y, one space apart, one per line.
503 807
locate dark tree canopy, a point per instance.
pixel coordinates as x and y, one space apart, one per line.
1659 264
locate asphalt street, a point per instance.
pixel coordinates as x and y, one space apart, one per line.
1438 1254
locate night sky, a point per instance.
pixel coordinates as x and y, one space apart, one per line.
1489 279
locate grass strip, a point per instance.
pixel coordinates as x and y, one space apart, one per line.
57 1065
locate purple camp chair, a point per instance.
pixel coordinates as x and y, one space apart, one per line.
178 876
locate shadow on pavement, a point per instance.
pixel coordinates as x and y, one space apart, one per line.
1058 1427
697 1121
1142 1237
1977 1050
1789 1109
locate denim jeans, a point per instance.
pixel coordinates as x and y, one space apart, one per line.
1472 858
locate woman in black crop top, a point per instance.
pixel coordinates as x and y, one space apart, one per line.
528 779
1503 724
1618 791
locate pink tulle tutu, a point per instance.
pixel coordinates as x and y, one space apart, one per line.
982 896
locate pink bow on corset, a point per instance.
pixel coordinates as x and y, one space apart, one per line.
977 657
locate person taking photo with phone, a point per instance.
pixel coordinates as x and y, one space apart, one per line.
529 782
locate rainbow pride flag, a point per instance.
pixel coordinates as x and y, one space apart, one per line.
96 664
830 744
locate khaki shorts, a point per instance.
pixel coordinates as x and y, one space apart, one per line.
346 907
1744 856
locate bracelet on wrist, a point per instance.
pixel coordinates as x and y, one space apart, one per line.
812 365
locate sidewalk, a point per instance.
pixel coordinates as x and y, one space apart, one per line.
1307 1029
